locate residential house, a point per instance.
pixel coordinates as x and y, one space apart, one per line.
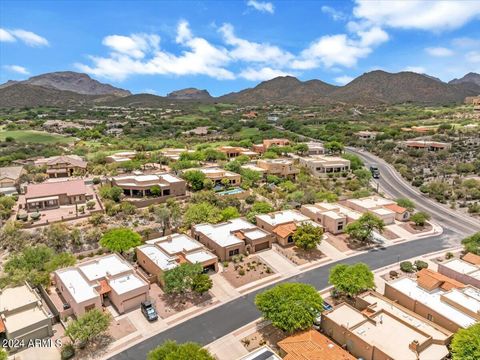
312 345
377 328
328 215
322 166
88 285
235 151
174 154
140 185
53 195
282 224
279 167
315 148
10 179
367 135
121 157
438 298
22 316
376 205
63 166
267 143
466 270
232 238
427 145
199 131
262 353
217 175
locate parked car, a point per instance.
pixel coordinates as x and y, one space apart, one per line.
148 310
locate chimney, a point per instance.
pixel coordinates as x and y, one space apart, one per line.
414 345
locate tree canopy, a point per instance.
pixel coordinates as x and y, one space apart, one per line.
120 239
351 279
466 343
170 350
290 306
472 243
195 179
185 278
201 213
363 228
307 236
406 203
88 326
420 218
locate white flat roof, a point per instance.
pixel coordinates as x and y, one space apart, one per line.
433 300
23 319
222 234
469 298
371 202
76 285
461 266
162 260
283 217
16 297
253 167
176 243
382 211
99 268
126 283
200 256
333 215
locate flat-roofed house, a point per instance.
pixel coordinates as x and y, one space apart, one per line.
22 315
282 224
235 151
427 145
463 271
63 166
267 143
165 253
315 148
322 166
87 285
174 154
376 205
367 135
279 167
217 174
10 179
438 298
377 328
232 238
331 218
53 195
121 157
140 185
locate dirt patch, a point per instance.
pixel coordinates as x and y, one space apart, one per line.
414 229
121 328
299 256
246 270
389 235
344 243
95 349
265 335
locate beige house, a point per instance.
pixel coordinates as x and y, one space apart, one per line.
331 218
367 135
322 166
10 179
315 148
267 143
279 167
53 195
427 145
121 157
140 185
235 151
437 298
88 285
377 328
174 154
217 174
63 166
378 206
22 315
466 270
232 238
165 253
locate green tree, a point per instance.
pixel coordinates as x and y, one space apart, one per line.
406 203
472 243
420 218
195 179
202 283
170 350
355 161
88 327
120 239
230 212
334 147
363 175
290 306
3 354
111 192
466 343
307 236
155 190
185 278
363 228
351 279
201 213
57 236
260 207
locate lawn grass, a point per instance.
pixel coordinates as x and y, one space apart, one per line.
204 108
38 137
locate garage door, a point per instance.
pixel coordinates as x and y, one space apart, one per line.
261 246
133 303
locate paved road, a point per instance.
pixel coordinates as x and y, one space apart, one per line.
230 316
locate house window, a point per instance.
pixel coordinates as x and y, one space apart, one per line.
233 252
166 192
290 239
340 227
430 317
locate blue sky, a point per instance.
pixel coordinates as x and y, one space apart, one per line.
223 46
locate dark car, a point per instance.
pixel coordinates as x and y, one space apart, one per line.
375 171
148 310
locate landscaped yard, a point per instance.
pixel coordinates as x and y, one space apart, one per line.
265 335
414 229
299 256
246 270
32 136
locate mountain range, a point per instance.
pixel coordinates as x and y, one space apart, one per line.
375 87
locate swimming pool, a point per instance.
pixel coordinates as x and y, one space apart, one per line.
234 191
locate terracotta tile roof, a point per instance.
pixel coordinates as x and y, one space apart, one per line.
70 188
312 345
429 280
472 258
11 172
396 208
285 230
104 287
2 326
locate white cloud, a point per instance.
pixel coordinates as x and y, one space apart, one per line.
415 69
5 36
199 58
418 14
466 42
473 56
335 14
343 80
261 6
29 38
135 45
265 73
439 51
17 69
245 50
